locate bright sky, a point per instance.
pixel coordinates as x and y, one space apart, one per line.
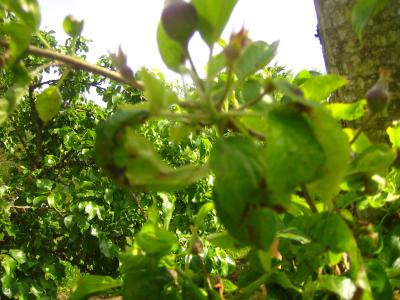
132 24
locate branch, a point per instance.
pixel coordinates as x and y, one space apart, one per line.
79 64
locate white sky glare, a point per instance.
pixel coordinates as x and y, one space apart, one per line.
132 24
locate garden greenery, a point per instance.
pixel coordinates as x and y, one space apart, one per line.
243 185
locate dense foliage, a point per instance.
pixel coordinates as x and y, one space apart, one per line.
242 186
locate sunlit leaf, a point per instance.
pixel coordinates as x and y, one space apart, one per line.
156 92
348 111
394 135
72 26
213 16
341 286
319 88
48 103
27 10
155 240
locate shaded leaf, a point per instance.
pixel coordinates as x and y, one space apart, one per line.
336 148
254 57
376 159
363 11
293 154
172 52
378 279
92 284
146 284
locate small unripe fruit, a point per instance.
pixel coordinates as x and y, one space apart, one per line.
378 95
179 20
377 98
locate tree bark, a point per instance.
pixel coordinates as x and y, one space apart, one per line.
360 60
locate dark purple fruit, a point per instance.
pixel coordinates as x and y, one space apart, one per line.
377 98
378 95
179 20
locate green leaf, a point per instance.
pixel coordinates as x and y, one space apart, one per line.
156 92
282 280
72 26
204 210
92 284
146 284
240 189
319 88
239 173
216 64
302 77
293 154
48 103
361 143
15 93
156 241
131 161
336 148
172 52
363 11
254 57
20 35
341 286
18 255
9 264
376 159
261 226
328 231
27 10
378 279
348 111
213 16
251 89
394 135
223 240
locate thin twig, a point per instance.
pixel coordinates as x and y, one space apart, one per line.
139 205
196 75
252 102
80 64
308 198
361 129
227 87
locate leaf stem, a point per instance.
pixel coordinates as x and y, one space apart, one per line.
196 76
227 86
362 128
253 102
308 198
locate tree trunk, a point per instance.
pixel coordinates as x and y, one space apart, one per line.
360 61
